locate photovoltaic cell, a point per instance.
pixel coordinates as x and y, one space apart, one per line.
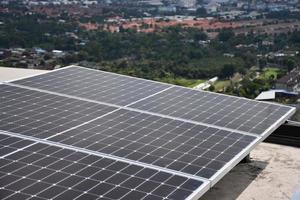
181 146
41 114
215 109
90 84
41 171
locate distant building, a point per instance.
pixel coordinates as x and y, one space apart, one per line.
4 53
228 55
212 7
58 53
167 8
187 3
273 95
153 2
39 50
290 82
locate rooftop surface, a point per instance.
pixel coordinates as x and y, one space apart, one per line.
274 171
7 74
273 174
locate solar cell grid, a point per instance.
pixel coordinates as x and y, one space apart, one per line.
100 86
168 143
203 107
42 115
220 110
42 171
11 144
172 144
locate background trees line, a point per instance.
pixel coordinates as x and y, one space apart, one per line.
174 52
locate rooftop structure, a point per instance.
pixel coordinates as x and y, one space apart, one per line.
271 95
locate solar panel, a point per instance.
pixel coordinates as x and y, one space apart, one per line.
173 144
101 86
42 171
223 111
133 135
181 146
215 109
192 134
43 115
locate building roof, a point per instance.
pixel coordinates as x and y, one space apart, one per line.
292 78
271 94
267 95
8 73
273 174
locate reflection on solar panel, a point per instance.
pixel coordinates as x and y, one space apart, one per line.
108 136
41 171
101 86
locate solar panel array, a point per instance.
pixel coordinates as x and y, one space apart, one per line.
183 103
128 138
174 144
193 149
41 171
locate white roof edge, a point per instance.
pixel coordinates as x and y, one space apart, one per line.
11 73
267 95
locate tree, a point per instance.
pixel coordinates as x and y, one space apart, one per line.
290 64
262 63
227 71
225 35
295 38
200 36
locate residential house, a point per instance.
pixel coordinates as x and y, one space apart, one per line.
290 82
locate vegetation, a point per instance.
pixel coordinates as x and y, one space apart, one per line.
175 55
270 73
296 117
182 81
221 85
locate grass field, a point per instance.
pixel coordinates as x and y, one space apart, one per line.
221 84
269 72
183 82
216 63
194 83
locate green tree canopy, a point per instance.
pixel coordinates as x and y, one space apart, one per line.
225 35
227 71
